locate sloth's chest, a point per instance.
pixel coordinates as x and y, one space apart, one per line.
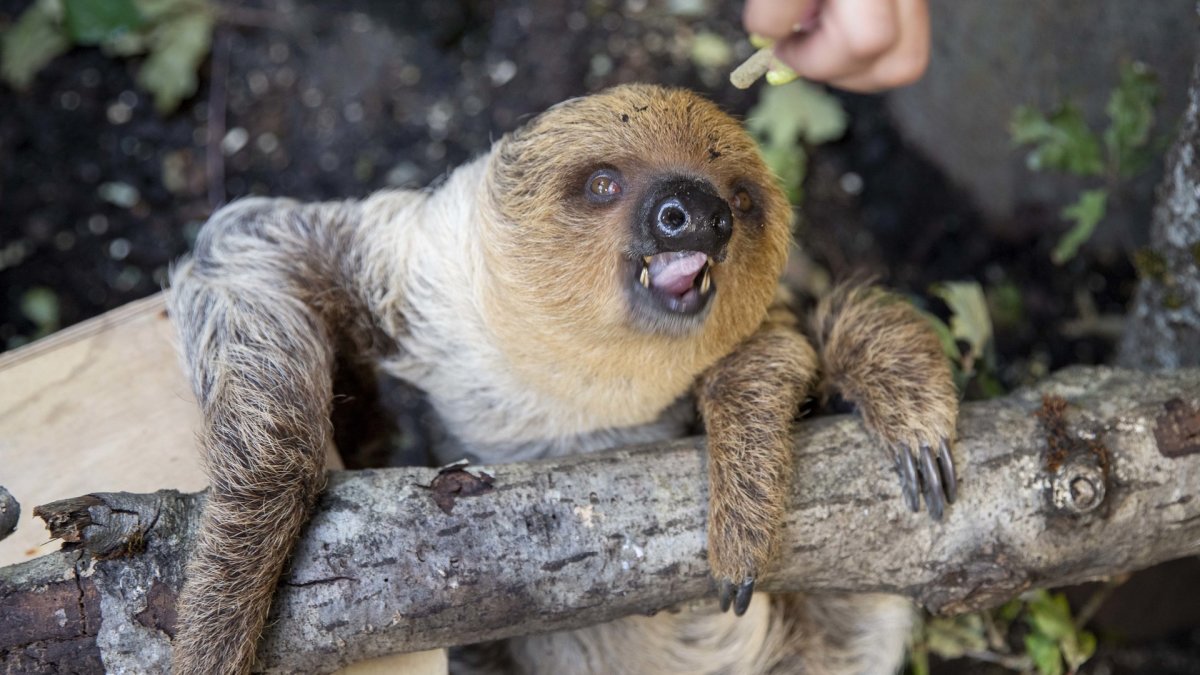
490 413
676 421
486 416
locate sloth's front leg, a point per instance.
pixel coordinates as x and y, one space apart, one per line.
879 353
748 401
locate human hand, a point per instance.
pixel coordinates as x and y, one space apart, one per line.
857 45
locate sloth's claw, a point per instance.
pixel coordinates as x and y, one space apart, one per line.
934 496
909 483
738 598
725 593
946 464
744 593
931 474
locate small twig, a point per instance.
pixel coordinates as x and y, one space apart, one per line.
995 640
214 158
1094 603
1017 662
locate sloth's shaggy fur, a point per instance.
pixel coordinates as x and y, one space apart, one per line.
504 295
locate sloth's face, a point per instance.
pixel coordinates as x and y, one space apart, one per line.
640 231
652 190
678 226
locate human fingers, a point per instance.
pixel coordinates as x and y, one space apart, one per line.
777 19
848 37
905 62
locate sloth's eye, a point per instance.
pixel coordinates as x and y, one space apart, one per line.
603 185
742 201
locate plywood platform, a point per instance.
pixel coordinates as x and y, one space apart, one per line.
103 407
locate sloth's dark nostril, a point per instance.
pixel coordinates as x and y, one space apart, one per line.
672 217
687 214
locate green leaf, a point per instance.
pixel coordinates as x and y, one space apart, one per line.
796 112
1005 304
1045 654
969 320
1061 142
918 661
789 164
1086 214
1131 117
780 73
785 118
90 22
949 344
955 636
1009 611
125 44
177 46
40 306
32 42
157 10
1082 649
710 50
1050 615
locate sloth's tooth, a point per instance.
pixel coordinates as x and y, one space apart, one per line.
646 259
645 277
705 282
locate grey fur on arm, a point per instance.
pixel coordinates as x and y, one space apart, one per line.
256 308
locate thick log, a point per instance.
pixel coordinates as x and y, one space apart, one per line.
1092 473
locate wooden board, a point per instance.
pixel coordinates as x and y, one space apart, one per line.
101 406
104 406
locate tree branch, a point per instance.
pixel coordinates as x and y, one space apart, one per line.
1090 474
1163 325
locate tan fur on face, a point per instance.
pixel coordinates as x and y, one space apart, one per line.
558 262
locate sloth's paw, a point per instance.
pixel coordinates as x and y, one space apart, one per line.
912 413
741 545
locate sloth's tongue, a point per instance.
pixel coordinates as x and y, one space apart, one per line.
675 272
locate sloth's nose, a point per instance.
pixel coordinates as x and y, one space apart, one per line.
689 215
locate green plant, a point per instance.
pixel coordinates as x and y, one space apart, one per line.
786 119
1035 633
1062 141
967 339
173 35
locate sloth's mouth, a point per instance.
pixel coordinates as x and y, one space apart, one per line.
678 282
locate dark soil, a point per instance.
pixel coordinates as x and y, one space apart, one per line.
99 194
312 100
323 101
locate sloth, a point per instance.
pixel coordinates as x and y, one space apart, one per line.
607 274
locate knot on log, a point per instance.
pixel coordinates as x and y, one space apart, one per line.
1178 429
1079 486
1077 459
